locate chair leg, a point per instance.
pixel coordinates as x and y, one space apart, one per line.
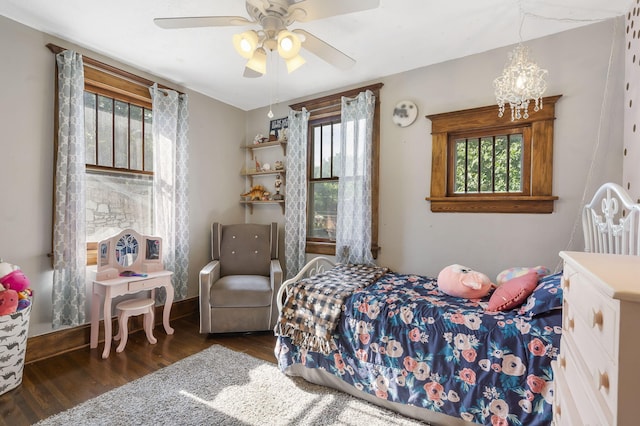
148 325
123 319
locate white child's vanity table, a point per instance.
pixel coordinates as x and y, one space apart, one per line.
128 263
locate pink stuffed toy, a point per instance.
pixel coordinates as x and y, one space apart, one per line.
11 277
460 281
8 302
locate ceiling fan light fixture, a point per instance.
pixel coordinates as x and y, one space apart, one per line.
246 43
294 63
288 44
258 61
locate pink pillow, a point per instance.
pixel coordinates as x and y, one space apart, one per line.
513 292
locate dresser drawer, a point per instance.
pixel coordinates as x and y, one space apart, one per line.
564 408
599 314
146 284
582 369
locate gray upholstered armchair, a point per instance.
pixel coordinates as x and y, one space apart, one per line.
238 287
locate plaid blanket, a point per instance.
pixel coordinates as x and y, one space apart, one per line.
312 309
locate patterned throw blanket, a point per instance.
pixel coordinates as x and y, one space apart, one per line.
312 309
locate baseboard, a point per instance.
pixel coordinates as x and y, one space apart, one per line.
57 342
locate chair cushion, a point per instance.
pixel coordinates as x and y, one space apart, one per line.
241 291
245 249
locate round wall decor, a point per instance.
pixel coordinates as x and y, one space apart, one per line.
404 113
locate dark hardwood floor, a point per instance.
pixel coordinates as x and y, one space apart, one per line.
55 384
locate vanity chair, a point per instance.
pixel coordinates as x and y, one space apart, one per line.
238 287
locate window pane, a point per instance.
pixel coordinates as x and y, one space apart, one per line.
473 162
317 156
337 128
460 165
148 140
515 163
322 209
135 137
115 202
105 131
121 127
90 127
486 165
501 164
327 154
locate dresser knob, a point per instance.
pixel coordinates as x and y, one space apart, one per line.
603 381
566 284
563 362
558 410
597 319
570 324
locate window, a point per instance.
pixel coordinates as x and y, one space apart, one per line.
324 160
119 152
119 167
486 164
322 173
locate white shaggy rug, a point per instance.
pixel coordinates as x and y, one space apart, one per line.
221 387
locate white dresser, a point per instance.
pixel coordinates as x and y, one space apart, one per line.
598 370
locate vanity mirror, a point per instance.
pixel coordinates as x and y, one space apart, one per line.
129 251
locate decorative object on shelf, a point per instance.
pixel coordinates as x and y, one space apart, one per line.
279 165
258 166
258 139
273 17
278 196
404 113
266 167
277 129
256 193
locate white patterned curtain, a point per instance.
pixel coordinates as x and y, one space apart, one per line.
295 217
171 210
353 227
69 239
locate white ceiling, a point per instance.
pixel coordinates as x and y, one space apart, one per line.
398 36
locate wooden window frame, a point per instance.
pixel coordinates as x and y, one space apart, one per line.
112 82
485 120
330 106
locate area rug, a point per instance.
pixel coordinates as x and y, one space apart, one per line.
221 387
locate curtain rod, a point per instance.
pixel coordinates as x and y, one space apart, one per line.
106 67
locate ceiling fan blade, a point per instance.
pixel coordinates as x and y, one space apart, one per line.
309 10
201 21
325 51
249 73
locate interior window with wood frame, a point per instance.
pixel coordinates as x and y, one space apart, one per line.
323 154
482 163
118 151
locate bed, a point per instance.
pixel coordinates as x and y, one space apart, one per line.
397 341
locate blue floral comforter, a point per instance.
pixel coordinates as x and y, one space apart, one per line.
403 340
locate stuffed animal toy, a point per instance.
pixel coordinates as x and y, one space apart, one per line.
8 302
460 281
12 278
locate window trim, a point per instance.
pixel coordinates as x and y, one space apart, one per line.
110 81
328 106
485 119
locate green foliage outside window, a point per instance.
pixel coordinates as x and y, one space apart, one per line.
489 164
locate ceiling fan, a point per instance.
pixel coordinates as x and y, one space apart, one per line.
274 16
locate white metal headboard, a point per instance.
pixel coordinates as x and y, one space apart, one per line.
610 222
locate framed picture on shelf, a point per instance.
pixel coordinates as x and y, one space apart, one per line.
278 129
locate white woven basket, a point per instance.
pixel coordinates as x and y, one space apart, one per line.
14 330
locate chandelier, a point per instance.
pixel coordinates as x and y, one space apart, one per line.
521 82
254 46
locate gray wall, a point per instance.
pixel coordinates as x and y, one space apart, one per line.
26 120
585 66
588 126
